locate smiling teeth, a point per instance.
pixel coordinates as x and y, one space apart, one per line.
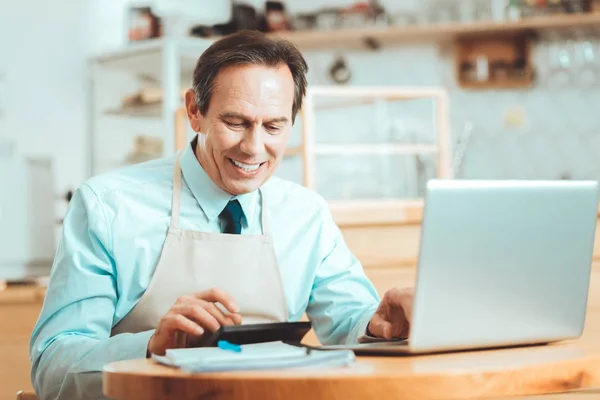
246 167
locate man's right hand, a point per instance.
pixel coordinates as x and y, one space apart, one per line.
190 318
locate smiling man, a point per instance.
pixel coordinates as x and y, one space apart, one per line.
154 256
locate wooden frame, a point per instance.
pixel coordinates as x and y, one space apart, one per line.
180 137
383 211
367 95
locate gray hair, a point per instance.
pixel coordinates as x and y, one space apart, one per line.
248 48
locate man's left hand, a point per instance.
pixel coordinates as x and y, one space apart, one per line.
392 318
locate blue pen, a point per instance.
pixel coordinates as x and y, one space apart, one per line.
225 345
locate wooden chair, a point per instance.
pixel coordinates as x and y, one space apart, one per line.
21 395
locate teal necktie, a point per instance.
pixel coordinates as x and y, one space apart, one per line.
232 215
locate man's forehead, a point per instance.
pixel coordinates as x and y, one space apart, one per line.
254 78
260 94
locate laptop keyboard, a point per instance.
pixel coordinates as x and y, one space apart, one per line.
381 343
378 344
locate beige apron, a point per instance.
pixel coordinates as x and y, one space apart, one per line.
244 266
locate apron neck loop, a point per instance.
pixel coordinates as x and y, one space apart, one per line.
263 213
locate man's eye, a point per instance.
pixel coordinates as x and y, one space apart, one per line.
273 128
234 125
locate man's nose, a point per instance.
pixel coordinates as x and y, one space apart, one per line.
252 142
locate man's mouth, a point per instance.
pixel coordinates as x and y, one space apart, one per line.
249 168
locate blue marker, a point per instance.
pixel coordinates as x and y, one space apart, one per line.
225 345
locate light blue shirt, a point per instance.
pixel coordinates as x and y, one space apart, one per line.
111 241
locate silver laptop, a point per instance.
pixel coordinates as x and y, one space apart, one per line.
501 263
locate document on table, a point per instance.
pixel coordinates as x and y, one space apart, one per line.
271 355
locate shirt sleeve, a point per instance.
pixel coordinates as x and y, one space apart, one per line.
342 299
71 341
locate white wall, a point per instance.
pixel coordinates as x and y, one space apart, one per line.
43 90
43 78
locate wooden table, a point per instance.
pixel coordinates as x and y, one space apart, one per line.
560 367
515 372
527 372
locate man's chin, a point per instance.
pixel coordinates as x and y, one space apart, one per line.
238 187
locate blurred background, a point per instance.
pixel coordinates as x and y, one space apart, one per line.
400 91
490 89
403 91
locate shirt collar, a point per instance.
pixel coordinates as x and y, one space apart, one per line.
210 197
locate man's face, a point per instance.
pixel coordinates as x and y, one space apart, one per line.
243 135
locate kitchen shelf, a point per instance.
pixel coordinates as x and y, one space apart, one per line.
147 59
167 63
443 32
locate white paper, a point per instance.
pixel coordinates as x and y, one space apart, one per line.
270 355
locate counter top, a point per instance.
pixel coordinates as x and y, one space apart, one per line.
22 294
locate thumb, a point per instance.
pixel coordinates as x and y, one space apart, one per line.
400 301
380 328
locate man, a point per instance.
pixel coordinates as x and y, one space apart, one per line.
154 256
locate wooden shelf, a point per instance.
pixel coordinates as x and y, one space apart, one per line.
501 84
150 110
344 149
146 58
433 32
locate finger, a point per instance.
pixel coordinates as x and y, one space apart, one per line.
237 319
220 316
199 315
217 295
381 328
178 322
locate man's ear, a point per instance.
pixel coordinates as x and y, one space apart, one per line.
193 113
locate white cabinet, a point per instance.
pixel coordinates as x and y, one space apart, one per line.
27 242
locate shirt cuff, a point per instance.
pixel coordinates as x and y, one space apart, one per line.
137 344
360 332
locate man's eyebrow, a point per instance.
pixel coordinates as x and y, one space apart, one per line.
279 119
234 115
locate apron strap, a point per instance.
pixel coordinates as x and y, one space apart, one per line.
175 200
263 213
